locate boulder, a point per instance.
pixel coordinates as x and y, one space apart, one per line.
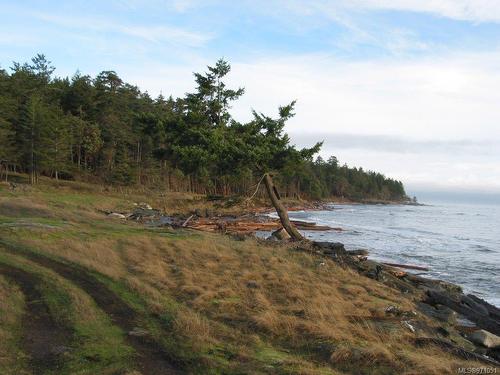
485 338
331 249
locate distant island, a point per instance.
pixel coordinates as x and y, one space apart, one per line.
104 130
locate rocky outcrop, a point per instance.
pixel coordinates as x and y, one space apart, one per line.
475 311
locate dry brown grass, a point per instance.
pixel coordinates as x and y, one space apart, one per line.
24 207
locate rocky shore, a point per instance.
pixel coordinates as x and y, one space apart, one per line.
462 324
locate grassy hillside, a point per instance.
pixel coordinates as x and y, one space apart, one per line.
81 293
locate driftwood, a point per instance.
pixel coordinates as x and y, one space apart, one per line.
280 209
187 221
306 225
247 225
407 266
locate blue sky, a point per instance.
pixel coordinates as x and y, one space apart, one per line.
407 87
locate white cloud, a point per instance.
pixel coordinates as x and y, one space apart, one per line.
451 97
470 10
151 33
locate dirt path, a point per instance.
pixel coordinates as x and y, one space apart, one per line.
43 339
151 359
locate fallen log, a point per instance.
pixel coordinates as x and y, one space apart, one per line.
407 266
280 209
187 221
303 223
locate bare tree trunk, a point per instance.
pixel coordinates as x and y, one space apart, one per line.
280 209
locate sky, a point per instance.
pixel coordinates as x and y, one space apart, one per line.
409 88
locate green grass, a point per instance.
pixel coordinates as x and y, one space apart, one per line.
13 361
97 346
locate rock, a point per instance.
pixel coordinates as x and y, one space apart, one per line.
493 311
463 322
481 320
477 307
393 310
485 338
165 221
116 215
443 331
439 312
331 249
252 284
374 271
144 213
281 234
494 353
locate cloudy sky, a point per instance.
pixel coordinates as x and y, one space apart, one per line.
410 88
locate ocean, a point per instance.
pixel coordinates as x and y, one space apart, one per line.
459 243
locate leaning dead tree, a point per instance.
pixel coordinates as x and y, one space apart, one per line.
280 209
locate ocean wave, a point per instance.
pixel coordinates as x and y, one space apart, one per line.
459 245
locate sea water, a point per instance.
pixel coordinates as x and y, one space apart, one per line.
458 243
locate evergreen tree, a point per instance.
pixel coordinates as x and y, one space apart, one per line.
212 97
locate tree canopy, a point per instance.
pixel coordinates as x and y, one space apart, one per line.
104 129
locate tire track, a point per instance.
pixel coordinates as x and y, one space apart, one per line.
43 339
151 358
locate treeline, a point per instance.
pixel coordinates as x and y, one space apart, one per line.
105 130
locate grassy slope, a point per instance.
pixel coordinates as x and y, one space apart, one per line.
215 305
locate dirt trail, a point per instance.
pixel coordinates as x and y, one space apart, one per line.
44 340
151 359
